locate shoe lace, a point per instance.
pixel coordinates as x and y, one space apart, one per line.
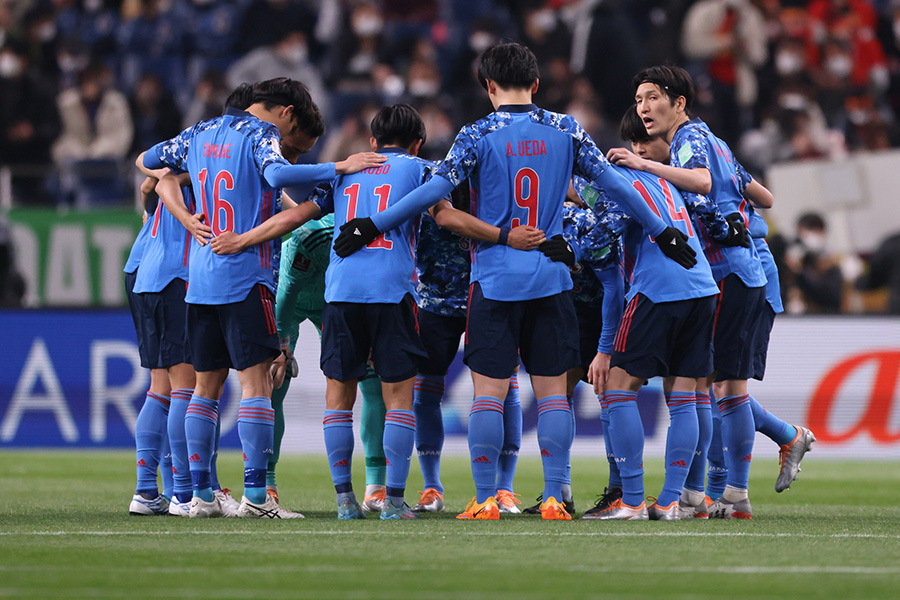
783 453
651 500
507 498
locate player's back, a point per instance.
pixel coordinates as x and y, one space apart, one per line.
524 164
443 264
384 270
647 269
226 159
166 254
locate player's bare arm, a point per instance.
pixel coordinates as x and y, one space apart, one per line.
286 221
169 190
461 222
759 195
696 180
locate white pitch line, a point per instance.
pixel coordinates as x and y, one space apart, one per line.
710 534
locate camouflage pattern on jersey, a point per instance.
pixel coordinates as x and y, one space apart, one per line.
301 287
595 243
442 266
589 161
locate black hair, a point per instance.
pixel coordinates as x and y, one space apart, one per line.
631 128
673 81
399 124
509 65
241 98
283 91
811 220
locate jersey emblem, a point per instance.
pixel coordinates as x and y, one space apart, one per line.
301 263
685 153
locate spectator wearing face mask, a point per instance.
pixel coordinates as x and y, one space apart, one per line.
815 283
884 272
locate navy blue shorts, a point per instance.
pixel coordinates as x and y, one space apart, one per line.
761 334
353 332
440 335
737 311
590 326
162 322
665 339
134 304
238 335
544 331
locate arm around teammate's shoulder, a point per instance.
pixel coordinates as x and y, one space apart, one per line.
286 221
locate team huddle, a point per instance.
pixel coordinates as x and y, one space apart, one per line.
526 240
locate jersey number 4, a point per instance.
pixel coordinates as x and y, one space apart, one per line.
384 193
222 209
676 214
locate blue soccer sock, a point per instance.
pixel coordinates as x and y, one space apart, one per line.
149 437
428 391
371 429
738 433
555 434
718 472
771 426
338 428
485 441
200 429
278 396
512 437
181 471
696 479
256 428
681 444
399 437
165 469
615 480
214 460
627 435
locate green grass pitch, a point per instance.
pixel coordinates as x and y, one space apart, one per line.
65 533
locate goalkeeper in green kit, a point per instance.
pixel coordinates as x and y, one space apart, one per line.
301 296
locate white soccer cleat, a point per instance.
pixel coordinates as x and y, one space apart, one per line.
431 501
374 500
155 506
723 509
686 510
507 502
230 506
671 512
790 456
201 509
268 510
179 509
619 511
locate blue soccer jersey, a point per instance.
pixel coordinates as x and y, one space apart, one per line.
694 146
759 229
442 269
385 270
226 157
167 251
137 248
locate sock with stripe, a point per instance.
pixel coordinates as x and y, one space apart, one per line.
771 426
681 443
718 472
738 433
278 395
615 480
256 428
696 478
555 434
371 429
399 438
512 437
214 460
428 391
338 428
626 431
200 430
485 441
149 434
165 469
181 471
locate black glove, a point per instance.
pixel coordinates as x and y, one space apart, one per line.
355 234
673 244
558 250
738 235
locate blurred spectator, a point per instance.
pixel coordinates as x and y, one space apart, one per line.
40 35
212 35
208 99
72 56
440 131
730 37
268 20
93 22
153 111
12 284
353 135
287 57
815 283
153 42
884 272
353 55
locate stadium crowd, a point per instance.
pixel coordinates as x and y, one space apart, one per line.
86 84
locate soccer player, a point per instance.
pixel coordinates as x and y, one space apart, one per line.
704 164
237 170
519 160
369 309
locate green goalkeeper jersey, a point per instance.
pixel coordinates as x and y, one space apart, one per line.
301 283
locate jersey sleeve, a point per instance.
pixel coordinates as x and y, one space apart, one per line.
171 153
690 151
706 212
462 157
323 197
613 305
744 178
267 149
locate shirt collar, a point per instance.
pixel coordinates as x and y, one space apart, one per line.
516 108
236 112
391 150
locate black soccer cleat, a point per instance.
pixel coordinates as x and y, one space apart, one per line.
609 496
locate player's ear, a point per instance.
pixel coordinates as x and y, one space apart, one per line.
373 143
534 86
414 147
286 111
